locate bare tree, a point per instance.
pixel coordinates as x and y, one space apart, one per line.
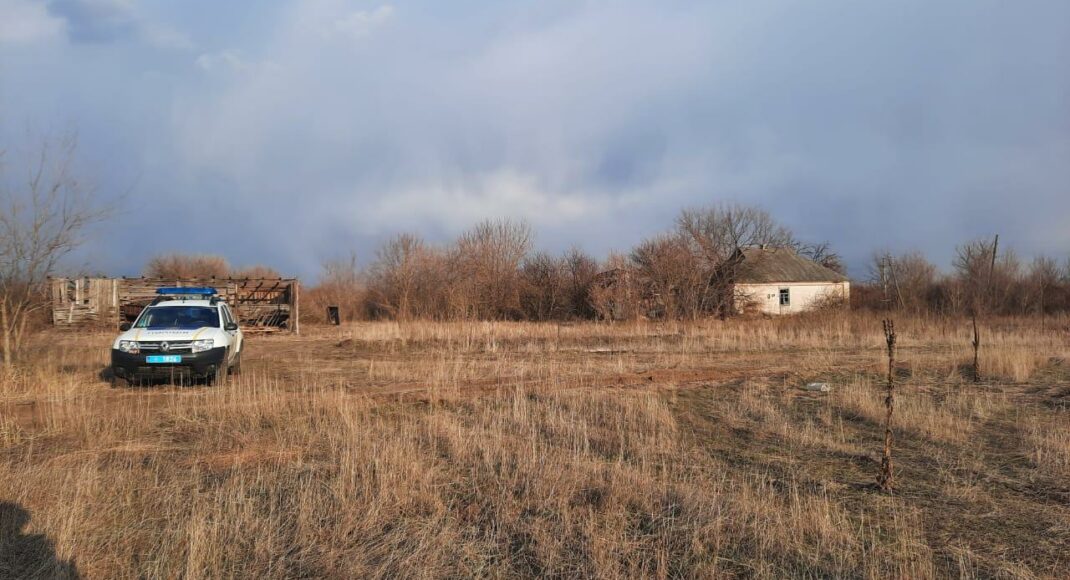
395 277
718 231
716 234
1041 282
906 280
43 218
673 274
544 294
581 270
823 254
975 262
488 259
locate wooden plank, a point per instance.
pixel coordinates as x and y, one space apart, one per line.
295 292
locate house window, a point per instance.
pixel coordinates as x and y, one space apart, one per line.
785 297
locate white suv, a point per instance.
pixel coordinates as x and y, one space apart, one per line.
185 333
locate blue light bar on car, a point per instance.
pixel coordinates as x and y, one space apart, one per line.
190 291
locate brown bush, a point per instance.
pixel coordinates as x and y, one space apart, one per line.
616 293
487 261
258 271
409 279
340 285
544 291
178 266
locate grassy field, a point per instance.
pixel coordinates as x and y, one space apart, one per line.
520 449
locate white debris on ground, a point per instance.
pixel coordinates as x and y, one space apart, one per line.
818 387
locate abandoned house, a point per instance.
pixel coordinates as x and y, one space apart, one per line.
261 304
780 281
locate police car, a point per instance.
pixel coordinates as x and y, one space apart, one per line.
185 333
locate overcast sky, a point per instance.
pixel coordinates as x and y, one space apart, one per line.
289 132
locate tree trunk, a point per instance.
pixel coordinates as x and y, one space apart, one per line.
5 328
18 324
976 350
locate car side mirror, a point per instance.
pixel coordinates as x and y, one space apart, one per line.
231 326
124 326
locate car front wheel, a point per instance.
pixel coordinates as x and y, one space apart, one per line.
218 378
114 380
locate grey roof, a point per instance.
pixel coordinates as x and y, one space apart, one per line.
778 265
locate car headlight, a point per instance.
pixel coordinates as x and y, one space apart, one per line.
128 346
203 345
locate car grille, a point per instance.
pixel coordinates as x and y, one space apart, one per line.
175 346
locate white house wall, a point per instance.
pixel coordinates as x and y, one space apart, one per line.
803 296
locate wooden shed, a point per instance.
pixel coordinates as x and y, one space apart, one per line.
261 304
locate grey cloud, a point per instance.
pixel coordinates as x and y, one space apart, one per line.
108 21
907 124
95 21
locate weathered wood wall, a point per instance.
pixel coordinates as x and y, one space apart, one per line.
261 304
85 301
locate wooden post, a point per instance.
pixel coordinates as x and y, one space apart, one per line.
976 348
295 295
884 478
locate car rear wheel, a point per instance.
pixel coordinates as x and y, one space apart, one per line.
235 369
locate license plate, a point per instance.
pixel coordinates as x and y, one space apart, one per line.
164 358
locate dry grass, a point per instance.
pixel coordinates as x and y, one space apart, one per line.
501 449
1050 443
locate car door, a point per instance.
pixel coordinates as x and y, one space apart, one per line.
235 335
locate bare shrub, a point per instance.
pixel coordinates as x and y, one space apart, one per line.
397 279
257 271
990 281
673 275
906 281
827 303
545 287
557 287
580 272
1042 286
616 292
486 263
183 266
340 284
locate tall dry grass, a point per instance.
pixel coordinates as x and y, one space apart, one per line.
263 484
502 449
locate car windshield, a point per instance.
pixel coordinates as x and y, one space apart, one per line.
181 317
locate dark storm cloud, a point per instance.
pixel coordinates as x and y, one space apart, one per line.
902 125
